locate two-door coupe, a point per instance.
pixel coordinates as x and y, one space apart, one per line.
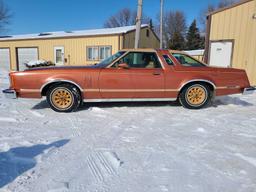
130 75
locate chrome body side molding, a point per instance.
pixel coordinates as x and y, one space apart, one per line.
128 100
60 80
10 93
196 80
249 90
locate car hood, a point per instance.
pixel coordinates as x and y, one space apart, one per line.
63 67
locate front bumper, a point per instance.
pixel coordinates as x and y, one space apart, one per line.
10 93
249 90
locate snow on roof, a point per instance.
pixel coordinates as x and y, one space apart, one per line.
195 52
57 34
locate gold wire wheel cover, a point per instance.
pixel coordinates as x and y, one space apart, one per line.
62 98
196 95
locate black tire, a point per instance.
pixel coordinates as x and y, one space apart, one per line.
195 96
63 97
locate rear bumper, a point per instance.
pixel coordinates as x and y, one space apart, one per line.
10 93
249 90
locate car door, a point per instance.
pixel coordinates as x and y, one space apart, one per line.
115 83
147 74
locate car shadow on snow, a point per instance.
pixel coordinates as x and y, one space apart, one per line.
43 104
128 104
229 100
16 161
223 100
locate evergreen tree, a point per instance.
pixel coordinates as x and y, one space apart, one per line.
151 24
194 40
177 41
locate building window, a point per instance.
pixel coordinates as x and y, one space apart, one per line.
93 53
147 33
96 53
105 52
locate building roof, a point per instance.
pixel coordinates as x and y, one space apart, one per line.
84 33
229 7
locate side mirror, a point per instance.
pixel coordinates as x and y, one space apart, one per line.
123 66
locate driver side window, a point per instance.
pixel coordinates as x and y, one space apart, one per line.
140 60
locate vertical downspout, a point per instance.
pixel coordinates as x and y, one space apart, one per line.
119 46
123 44
207 39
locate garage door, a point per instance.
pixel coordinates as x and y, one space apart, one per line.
25 55
4 59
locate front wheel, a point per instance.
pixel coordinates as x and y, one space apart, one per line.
195 96
63 97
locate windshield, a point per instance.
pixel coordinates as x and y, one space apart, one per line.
110 59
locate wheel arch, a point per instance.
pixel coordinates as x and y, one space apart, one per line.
211 85
45 87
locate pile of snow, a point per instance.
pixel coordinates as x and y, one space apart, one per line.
38 63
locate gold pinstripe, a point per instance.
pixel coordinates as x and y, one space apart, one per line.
128 90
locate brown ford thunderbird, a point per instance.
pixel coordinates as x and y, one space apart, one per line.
130 75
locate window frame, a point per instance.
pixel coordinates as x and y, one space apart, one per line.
105 46
183 54
167 55
98 51
147 33
128 52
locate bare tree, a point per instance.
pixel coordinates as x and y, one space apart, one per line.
210 8
203 14
124 17
225 3
5 15
174 27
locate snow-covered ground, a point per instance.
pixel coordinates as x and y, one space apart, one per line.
128 147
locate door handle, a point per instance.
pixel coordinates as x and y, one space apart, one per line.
156 73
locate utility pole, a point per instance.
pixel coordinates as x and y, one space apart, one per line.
161 23
138 24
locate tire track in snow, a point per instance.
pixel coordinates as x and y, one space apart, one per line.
8 119
250 160
96 172
102 165
106 164
37 114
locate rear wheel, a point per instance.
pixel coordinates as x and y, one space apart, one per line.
195 96
63 97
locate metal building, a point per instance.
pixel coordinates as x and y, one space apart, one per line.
71 47
231 37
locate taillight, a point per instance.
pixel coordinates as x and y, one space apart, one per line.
11 80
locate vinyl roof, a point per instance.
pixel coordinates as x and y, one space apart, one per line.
59 34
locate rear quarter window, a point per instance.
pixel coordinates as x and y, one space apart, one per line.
168 60
188 61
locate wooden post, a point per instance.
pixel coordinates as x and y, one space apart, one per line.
161 23
138 24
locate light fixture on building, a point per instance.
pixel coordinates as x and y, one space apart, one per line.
254 16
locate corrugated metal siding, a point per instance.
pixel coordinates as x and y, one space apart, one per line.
74 47
237 23
145 42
